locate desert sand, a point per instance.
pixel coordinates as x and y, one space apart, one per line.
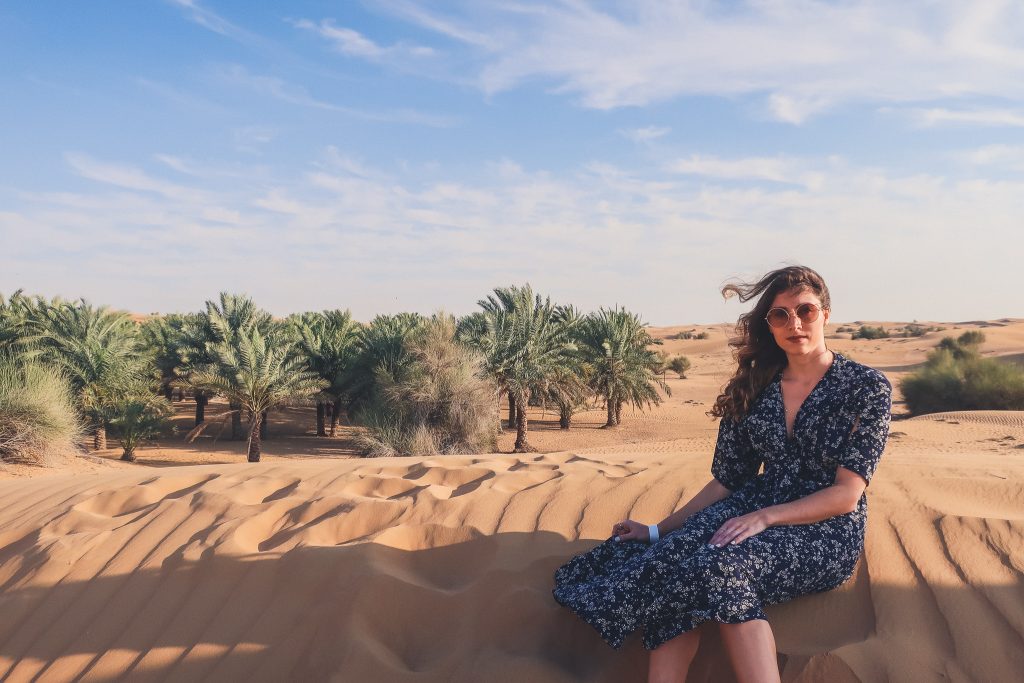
317 565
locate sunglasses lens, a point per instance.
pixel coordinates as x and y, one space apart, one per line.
807 313
777 317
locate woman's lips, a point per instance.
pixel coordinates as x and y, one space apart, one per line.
796 338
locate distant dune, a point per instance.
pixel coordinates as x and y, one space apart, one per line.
439 569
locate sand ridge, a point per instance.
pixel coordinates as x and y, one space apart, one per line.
440 569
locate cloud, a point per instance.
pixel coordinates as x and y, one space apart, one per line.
212 21
129 177
1005 157
776 169
800 58
596 234
350 42
979 117
645 134
279 89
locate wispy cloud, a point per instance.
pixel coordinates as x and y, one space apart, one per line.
129 177
645 134
976 117
1008 157
284 91
447 27
212 21
401 231
776 169
350 42
802 58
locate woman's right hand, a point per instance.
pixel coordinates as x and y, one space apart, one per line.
628 530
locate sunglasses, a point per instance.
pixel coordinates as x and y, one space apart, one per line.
779 317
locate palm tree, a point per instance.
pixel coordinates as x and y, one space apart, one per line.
615 344
526 343
163 339
257 371
138 416
221 322
97 349
328 342
381 350
227 317
195 335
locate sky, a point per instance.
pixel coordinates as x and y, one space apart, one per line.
412 155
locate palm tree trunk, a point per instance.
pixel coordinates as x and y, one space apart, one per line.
565 417
613 415
335 414
513 415
236 421
264 422
181 394
201 401
522 445
254 437
618 412
129 454
99 437
168 392
321 411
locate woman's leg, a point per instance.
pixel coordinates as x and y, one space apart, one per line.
670 661
751 647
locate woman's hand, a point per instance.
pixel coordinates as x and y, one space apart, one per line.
738 529
629 530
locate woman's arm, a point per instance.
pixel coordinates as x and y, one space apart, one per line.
712 492
838 499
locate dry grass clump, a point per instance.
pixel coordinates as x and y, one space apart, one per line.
38 421
439 403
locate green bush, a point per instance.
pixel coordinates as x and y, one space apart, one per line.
38 421
956 377
138 417
869 332
439 403
971 338
679 364
692 334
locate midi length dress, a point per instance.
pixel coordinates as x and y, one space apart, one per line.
675 584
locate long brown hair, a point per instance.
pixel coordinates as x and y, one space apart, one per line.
757 355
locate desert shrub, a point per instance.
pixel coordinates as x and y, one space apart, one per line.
845 329
956 377
137 418
971 338
38 422
679 365
869 332
692 334
438 403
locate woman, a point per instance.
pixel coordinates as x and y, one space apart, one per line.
818 423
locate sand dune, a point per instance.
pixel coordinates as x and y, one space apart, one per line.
439 569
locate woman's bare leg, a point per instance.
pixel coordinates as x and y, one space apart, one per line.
751 647
670 661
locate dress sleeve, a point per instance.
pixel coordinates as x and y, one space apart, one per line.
864 446
735 462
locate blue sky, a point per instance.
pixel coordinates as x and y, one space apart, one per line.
412 155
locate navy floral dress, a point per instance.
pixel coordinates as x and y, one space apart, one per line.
680 581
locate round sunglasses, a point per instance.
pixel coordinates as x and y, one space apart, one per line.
779 317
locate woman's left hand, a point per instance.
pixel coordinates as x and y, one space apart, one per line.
739 529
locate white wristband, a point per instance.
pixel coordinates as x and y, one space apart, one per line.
652 531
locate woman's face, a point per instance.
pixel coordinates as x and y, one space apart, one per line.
798 338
